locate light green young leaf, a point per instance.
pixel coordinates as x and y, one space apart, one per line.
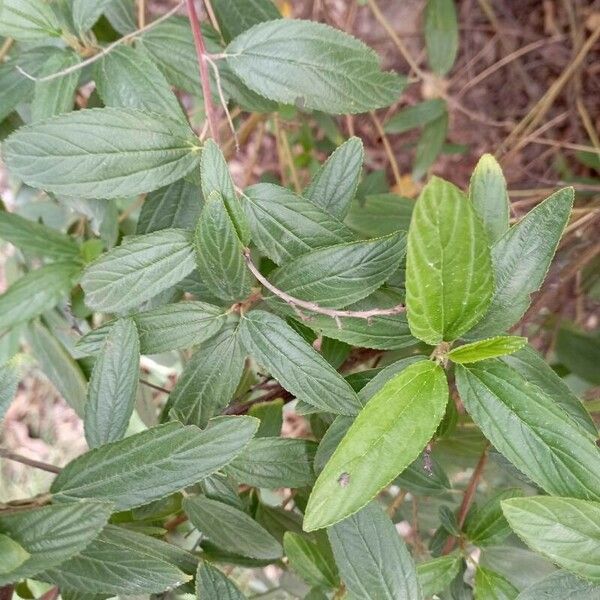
312 65
36 239
86 13
58 366
379 214
138 269
430 145
127 78
561 585
334 185
441 35
528 427
532 367
520 260
416 115
340 275
487 192
209 379
57 96
176 205
236 16
295 364
275 463
386 436
212 584
36 292
231 529
566 530
51 534
448 273
490 585
170 327
28 20
113 385
121 562
373 560
219 259
437 574
102 153
154 463
483 349
285 225
13 555
311 559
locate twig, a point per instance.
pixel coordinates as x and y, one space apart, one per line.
6 46
468 498
158 388
388 148
141 4
296 303
209 107
395 505
287 153
28 461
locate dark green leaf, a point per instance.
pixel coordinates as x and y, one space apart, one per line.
113 385
373 560
379 214
120 14
231 529
441 35
580 353
86 13
561 585
436 574
490 585
270 415
236 16
312 65
154 463
417 115
448 273
102 153
483 349
312 559
9 380
28 20
386 436
212 584
430 145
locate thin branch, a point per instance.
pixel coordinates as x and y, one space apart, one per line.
158 388
141 5
297 304
209 107
388 148
28 461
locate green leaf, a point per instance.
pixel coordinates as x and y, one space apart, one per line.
138 269
441 35
437 574
490 585
580 353
532 367
486 525
417 480
386 436
342 274
58 366
528 427
121 15
487 192
56 96
154 463
561 585
275 463
231 529
295 364
51 534
270 414
379 214
209 379
28 20
334 185
565 530
13 555
9 380
285 225
490 348
36 239
430 145
102 153
127 78
236 16
176 205
219 257
520 260
86 13
416 115
212 584
119 562
373 560
170 327
313 66
448 273
312 559
36 292
113 385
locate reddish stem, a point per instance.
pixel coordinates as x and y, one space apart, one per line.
209 107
